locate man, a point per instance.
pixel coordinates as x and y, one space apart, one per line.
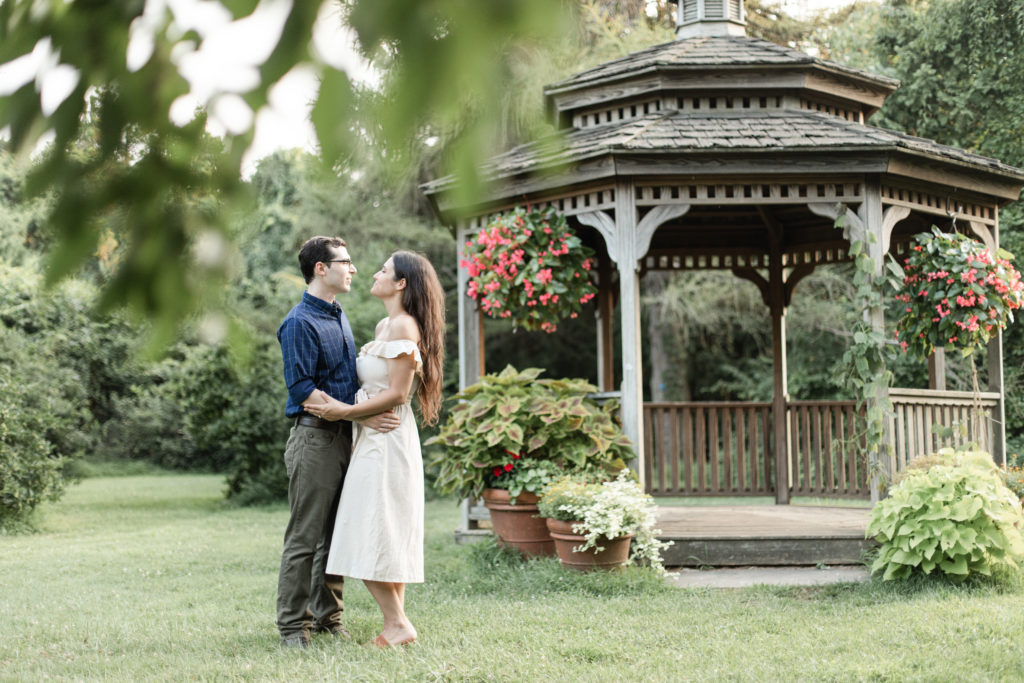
319 353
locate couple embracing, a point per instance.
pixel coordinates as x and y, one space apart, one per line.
353 423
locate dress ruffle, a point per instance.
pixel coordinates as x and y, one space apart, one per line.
393 349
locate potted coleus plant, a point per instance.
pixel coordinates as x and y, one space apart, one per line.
511 433
596 524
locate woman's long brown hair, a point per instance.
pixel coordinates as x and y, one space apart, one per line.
423 299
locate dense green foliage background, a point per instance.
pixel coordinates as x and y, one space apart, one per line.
80 383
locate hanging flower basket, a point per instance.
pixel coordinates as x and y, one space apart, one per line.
528 266
956 294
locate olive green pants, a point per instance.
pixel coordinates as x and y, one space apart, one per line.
316 460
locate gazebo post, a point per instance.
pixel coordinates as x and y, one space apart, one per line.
995 377
780 395
995 384
629 307
605 334
471 328
879 226
471 345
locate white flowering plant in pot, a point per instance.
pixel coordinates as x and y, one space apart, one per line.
606 510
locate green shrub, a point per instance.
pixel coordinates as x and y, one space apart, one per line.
31 470
234 414
956 516
148 424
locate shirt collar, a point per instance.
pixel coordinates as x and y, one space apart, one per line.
333 308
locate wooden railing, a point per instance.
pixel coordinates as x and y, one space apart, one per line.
708 449
725 449
826 451
917 411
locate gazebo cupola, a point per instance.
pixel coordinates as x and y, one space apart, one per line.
710 18
723 151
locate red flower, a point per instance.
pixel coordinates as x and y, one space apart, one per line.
508 467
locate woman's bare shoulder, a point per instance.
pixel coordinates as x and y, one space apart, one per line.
404 327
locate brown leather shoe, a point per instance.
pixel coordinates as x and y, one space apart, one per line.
336 629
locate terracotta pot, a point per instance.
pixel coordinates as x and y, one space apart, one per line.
518 526
615 553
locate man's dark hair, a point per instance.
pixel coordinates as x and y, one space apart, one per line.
317 250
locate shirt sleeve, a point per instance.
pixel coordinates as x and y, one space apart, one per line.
298 349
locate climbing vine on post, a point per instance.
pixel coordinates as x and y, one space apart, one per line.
863 370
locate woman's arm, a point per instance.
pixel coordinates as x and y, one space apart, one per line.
401 372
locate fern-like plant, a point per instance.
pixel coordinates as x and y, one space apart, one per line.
952 513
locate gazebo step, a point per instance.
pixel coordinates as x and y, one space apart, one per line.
766 535
472 535
735 552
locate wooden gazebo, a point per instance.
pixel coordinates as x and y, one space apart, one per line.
722 151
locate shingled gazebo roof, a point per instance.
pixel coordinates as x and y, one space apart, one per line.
737 98
722 52
735 132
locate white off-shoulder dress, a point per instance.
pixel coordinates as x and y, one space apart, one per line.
378 534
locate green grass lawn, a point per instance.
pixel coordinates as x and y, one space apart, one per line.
155 578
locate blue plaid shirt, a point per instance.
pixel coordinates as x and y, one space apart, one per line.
319 353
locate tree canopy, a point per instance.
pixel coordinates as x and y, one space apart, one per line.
120 65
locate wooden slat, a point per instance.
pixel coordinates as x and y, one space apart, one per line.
753 452
769 452
827 448
675 453
728 449
816 447
649 445
741 450
666 440
685 484
701 451
805 426
713 450
851 451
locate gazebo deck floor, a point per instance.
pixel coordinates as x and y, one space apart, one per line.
763 535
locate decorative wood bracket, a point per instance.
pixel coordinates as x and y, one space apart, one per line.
604 224
753 276
655 218
795 276
853 226
982 231
892 216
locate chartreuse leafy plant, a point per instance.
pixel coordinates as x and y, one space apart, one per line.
512 430
951 512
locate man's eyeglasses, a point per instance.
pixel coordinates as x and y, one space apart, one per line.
346 261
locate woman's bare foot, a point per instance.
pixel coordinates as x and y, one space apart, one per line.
398 635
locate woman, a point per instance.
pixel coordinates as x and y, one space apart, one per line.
378 535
